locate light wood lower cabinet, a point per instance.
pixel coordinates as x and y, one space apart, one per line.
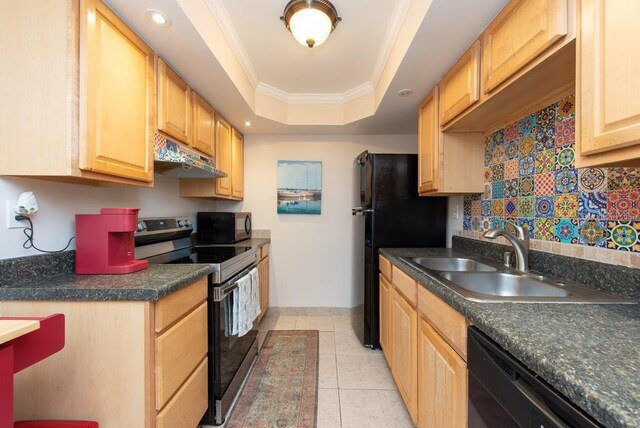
385 336
124 364
263 274
404 325
442 382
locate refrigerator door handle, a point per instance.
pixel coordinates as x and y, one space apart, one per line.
360 210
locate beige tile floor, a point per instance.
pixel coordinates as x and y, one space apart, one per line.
356 389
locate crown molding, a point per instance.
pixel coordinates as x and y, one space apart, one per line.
219 12
301 98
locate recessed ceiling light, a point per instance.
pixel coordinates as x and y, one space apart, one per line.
405 92
158 18
247 123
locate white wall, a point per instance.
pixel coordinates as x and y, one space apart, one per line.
54 223
316 260
456 203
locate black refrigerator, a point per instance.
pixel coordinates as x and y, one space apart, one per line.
394 216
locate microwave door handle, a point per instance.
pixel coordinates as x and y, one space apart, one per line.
247 224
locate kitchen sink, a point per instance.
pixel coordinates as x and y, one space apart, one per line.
506 284
452 264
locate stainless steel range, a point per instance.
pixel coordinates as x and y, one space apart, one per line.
169 240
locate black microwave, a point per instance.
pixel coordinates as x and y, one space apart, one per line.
223 228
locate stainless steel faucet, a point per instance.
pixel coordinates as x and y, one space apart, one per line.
520 244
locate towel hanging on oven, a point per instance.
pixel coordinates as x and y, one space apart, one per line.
242 306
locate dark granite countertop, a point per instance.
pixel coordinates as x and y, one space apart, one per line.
152 283
590 353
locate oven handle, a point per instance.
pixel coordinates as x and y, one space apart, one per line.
222 291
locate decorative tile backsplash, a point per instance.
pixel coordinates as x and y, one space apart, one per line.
531 179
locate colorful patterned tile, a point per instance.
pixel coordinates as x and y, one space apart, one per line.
566 206
527 125
466 222
624 179
527 207
487 174
512 132
497 222
475 196
544 229
592 179
497 172
546 116
511 169
485 208
526 146
592 205
498 154
544 206
497 207
488 151
498 138
527 165
497 189
565 133
486 224
544 184
466 205
565 157
527 186
566 107
511 207
623 235
528 224
487 191
566 230
566 181
475 208
545 138
476 224
511 188
545 161
593 233
623 205
511 150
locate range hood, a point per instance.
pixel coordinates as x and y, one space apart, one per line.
172 159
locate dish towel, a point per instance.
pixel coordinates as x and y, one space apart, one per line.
255 292
245 306
231 314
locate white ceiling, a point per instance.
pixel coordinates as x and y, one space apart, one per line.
267 60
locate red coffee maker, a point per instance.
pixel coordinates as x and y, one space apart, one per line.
105 242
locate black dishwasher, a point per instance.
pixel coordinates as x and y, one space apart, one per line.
504 393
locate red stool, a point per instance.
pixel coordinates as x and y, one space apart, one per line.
55 424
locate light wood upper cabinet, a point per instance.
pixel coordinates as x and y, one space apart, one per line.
237 165
174 104
442 382
428 144
448 163
404 327
521 32
204 125
608 88
223 156
460 87
78 94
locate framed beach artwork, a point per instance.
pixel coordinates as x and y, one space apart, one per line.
299 187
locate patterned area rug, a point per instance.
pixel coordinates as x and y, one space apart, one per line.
282 389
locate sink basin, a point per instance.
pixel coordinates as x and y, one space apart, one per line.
505 284
452 264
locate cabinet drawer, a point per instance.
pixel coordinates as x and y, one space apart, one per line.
447 321
178 352
264 251
187 407
406 285
169 309
385 267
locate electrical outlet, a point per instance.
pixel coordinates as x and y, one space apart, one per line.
456 211
12 223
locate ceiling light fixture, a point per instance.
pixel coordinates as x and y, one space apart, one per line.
158 18
310 21
405 92
247 123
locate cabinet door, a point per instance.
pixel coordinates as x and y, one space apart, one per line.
263 275
460 87
428 144
608 84
117 101
174 104
223 156
404 325
442 382
384 319
237 165
204 125
523 30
